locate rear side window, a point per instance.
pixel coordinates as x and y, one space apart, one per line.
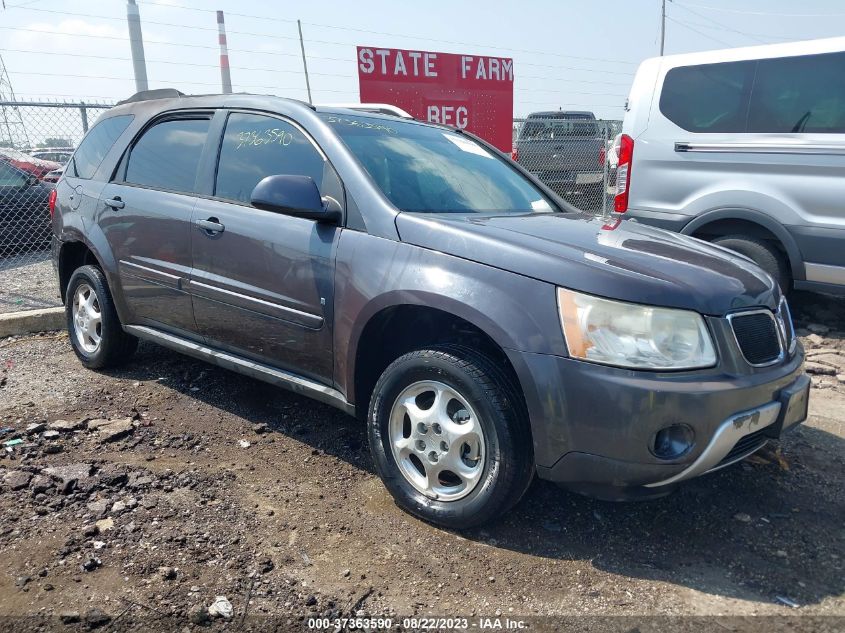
96 145
256 146
11 177
799 94
708 98
168 154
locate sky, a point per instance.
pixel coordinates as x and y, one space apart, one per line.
567 54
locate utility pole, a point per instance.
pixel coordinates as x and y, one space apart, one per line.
304 62
225 77
136 42
662 26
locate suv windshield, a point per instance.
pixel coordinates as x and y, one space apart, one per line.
429 169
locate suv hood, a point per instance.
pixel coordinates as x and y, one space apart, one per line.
621 260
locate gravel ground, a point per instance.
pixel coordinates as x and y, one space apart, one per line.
28 282
140 495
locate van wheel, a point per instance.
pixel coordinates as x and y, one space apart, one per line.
449 437
764 255
96 334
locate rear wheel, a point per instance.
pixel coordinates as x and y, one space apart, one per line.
764 254
96 334
449 437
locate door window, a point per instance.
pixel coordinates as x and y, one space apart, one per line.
799 94
709 97
96 145
168 154
256 146
11 177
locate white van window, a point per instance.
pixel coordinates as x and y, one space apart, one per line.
708 98
799 94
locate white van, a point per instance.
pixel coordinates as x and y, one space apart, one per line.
746 148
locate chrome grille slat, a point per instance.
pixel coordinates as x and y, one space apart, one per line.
762 336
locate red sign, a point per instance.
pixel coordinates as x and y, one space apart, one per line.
470 92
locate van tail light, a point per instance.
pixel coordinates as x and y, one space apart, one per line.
515 154
51 202
623 173
602 155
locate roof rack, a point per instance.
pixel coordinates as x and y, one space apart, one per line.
372 108
149 95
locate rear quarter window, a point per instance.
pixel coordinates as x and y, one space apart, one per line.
709 97
96 145
799 94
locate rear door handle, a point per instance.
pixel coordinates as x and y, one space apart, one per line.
211 226
115 203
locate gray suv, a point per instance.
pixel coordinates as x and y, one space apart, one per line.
413 275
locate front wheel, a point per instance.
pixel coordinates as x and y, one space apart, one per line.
764 254
449 437
96 334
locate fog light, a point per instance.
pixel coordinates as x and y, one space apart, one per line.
673 441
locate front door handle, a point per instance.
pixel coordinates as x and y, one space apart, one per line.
115 203
211 226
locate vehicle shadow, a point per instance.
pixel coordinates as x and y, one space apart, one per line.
754 531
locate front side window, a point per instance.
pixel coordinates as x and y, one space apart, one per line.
709 98
167 156
799 94
256 146
96 145
429 169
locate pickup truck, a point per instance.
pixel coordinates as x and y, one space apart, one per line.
565 151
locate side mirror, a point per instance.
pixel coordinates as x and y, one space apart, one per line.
31 180
294 195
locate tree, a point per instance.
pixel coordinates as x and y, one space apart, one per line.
56 141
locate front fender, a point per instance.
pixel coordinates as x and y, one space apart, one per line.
373 274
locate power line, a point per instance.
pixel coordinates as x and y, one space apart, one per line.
771 37
453 42
279 70
170 24
281 53
687 26
724 27
337 27
768 13
167 81
167 5
146 41
166 61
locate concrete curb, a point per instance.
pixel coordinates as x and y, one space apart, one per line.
29 321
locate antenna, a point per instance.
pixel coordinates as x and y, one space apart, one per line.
12 130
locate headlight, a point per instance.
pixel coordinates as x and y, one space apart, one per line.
631 335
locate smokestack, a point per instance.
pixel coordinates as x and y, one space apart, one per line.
136 42
225 77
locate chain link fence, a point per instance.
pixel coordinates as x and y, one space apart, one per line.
573 153
36 140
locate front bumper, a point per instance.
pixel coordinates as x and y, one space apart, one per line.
593 425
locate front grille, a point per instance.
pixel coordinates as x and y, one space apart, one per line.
745 446
757 336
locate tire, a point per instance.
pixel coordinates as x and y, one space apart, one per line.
764 255
95 332
496 464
